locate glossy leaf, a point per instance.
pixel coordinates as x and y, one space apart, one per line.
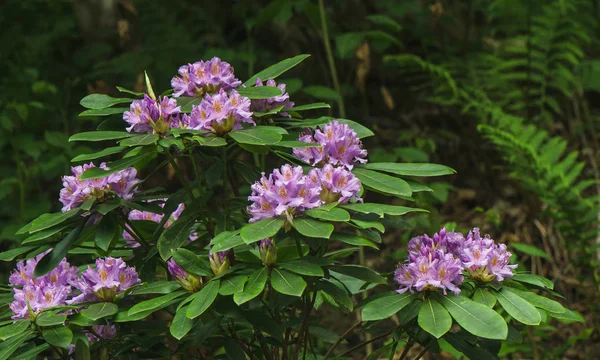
106 231
434 318
233 284
275 70
46 221
261 229
8 331
353 240
103 112
335 214
386 306
99 154
191 262
100 136
485 297
529 250
360 272
540 301
97 173
50 319
254 286
313 106
203 299
381 209
534 280
256 136
210 141
139 140
225 241
383 183
59 336
52 259
99 311
409 169
101 101
175 235
517 307
259 92
313 228
476 318
153 304
12 344
302 267
181 324
287 283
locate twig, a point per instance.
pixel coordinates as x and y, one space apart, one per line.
340 339
425 349
366 342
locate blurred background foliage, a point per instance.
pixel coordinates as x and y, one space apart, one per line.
504 91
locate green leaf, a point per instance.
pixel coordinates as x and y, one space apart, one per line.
485 297
254 286
101 101
225 241
175 235
302 267
434 318
319 105
157 287
82 350
381 209
540 301
11 254
476 318
383 183
100 136
203 299
529 250
270 112
339 295
369 225
321 92
313 228
46 221
256 136
154 304
97 173
386 306
44 234
32 353
211 141
384 21
294 144
361 131
102 112
353 240
127 91
287 283
335 214
410 169
261 229
51 260
360 272
50 319
11 345
139 140
100 310
191 262
8 331
99 154
568 316
259 92
186 104
181 324
233 284
517 307
534 280
105 233
59 336
275 70
149 86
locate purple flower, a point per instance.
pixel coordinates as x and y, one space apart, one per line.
157 218
76 191
339 146
266 105
429 273
484 259
103 331
219 261
201 77
220 113
152 116
110 277
443 241
337 184
188 281
37 296
286 190
267 251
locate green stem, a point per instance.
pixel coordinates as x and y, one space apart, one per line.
179 174
225 185
330 60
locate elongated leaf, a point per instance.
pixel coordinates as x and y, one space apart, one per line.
361 131
181 324
149 86
360 272
353 240
233 284
540 301
32 353
287 283
476 318
105 233
386 306
191 262
313 228
409 169
82 350
339 295
275 70
517 307
11 345
59 336
254 286
9 255
485 297
154 304
99 154
99 311
529 250
368 225
259 92
335 214
157 287
534 280
46 221
44 234
51 260
8 331
302 267
210 141
383 183
50 319
256 136
100 136
139 140
381 209
434 318
97 173
261 229
203 299
319 105
103 112
101 101
293 144
225 241
175 235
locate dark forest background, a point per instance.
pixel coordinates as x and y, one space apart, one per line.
506 92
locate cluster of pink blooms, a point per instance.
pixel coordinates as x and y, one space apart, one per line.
338 145
288 191
266 105
110 277
438 262
148 115
204 77
76 191
220 113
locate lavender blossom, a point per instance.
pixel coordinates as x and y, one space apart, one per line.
188 281
110 277
337 184
157 218
76 191
484 259
429 273
286 190
266 105
219 261
340 145
201 77
446 242
152 116
220 113
108 331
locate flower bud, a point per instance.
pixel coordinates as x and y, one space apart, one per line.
188 281
268 252
219 262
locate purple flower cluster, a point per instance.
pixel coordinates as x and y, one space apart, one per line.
438 262
339 145
188 281
337 184
153 116
42 292
266 105
203 77
220 113
76 191
110 277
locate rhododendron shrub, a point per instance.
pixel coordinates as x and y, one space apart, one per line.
265 205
